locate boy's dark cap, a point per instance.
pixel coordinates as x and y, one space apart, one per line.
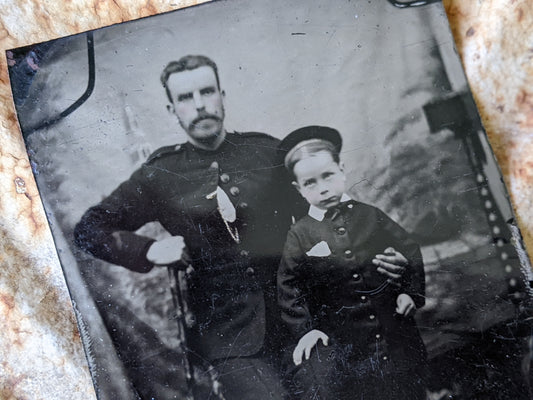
308 133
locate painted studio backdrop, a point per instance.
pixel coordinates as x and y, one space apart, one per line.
386 77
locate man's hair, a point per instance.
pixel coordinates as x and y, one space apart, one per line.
308 150
187 63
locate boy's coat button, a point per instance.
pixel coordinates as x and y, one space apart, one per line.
250 271
356 277
234 191
348 253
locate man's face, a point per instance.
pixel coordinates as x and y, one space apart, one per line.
320 180
198 103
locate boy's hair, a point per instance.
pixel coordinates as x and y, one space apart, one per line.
306 141
306 149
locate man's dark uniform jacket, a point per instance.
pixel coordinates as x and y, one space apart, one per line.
176 187
341 293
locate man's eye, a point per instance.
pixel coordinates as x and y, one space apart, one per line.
207 91
185 97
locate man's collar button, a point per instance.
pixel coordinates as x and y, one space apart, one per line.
224 178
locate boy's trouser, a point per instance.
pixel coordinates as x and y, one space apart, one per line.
335 373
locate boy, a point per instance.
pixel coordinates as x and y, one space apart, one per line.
335 287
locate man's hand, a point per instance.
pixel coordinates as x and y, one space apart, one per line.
166 251
391 263
405 305
306 344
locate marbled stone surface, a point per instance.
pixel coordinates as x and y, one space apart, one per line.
41 356
495 41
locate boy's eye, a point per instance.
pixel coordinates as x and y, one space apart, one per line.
309 183
184 96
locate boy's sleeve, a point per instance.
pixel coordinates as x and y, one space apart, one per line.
291 295
413 280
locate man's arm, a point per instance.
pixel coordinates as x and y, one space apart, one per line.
107 229
403 257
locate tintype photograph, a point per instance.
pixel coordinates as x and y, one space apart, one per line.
278 200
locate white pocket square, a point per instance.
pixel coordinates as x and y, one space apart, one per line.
319 250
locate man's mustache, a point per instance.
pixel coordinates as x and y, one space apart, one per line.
203 116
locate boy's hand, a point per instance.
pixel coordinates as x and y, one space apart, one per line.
405 305
306 344
391 263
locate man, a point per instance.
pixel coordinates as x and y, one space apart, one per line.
215 195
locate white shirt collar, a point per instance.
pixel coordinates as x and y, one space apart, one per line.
318 213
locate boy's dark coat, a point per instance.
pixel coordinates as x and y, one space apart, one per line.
342 294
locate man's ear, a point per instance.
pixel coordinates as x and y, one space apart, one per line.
296 186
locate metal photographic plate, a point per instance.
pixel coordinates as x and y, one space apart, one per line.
155 145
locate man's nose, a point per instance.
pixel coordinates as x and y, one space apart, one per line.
198 101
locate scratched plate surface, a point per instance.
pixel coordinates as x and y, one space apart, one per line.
34 287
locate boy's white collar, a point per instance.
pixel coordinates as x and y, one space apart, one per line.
318 213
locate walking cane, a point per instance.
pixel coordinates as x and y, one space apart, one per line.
185 320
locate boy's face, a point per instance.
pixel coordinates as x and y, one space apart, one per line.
320 180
